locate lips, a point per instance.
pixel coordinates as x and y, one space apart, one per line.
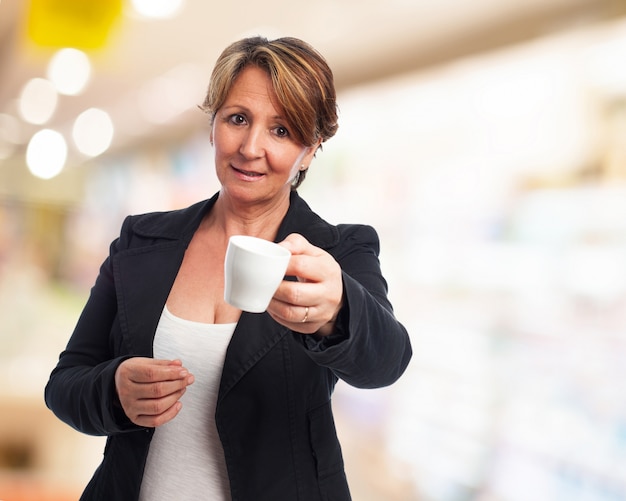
247 173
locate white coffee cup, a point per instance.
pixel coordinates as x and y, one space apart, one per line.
253 270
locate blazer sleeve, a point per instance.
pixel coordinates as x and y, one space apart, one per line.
81 389
370 348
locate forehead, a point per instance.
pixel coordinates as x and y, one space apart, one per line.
252 85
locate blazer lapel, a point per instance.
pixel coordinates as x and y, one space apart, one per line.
145 277
255 335
147 269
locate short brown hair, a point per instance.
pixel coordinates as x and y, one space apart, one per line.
300 76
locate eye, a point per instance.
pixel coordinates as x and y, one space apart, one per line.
237 119
281 131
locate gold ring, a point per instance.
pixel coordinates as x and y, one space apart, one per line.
306 314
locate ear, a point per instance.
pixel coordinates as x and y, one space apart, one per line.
308 158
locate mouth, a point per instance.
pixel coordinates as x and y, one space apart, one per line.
247 173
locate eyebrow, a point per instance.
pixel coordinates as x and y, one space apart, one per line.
247 110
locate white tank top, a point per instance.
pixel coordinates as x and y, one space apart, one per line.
186 459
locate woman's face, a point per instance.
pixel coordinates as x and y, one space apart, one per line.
256 153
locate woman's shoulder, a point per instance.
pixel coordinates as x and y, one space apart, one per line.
169 224
358 231
353 237
324 233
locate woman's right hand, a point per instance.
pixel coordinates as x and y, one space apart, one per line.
150 390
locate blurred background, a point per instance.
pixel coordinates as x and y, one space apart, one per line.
484 139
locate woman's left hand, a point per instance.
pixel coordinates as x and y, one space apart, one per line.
310 305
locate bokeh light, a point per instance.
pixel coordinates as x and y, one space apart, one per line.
93 132
157 8
69 70
46 154
38 101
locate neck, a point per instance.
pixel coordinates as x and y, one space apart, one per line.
255 220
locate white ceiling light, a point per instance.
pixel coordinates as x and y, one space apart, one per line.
93 132
159 9
38 101
69 70
46 154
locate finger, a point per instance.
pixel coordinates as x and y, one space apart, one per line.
307 268
287 311
158 390
170 414
295 243
297 319
150 370
135 402
308 262
300 293
154 420
137 379
156 406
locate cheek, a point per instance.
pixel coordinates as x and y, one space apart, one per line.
223 143
289 162
284 160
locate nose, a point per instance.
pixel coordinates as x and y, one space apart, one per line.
252 143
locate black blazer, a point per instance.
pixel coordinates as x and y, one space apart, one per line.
273 413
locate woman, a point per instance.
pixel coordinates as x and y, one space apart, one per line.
198 399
